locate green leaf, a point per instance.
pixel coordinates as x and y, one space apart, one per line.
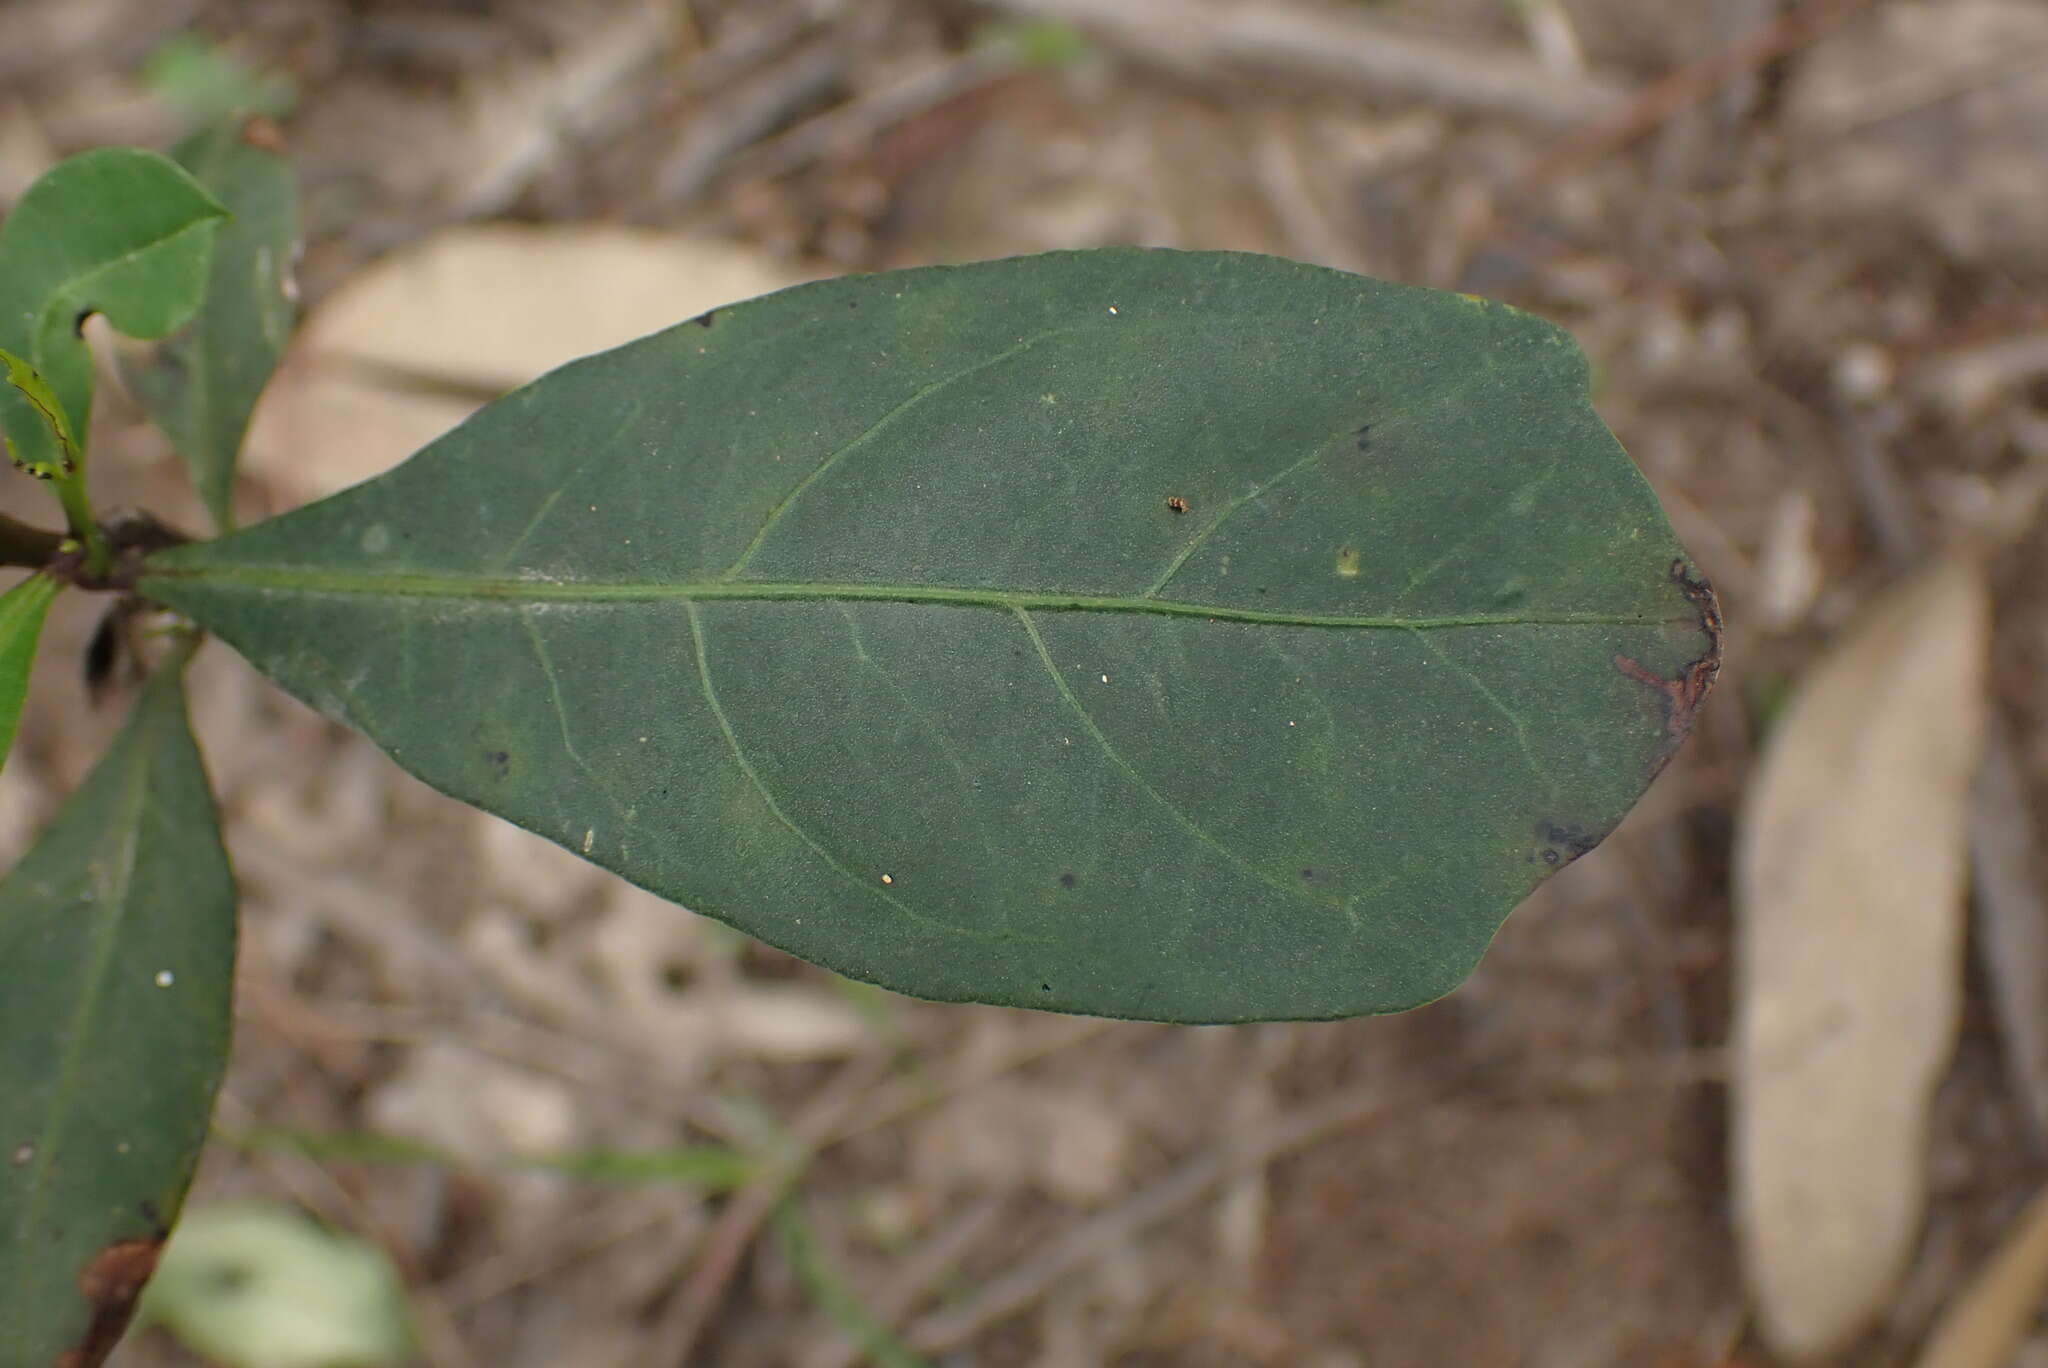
115 231
254 1285
22 610
117 944
208 84
32 387
202 384
1186 636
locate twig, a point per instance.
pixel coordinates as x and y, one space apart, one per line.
2012 923
319 1191
526 124
675 1337
1335 48
905 1098
913 1279
1183 1187
860 120
26 546
1690 84
745 115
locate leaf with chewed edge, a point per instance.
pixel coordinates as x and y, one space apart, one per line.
115 231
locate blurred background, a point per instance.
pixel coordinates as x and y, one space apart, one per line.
1804 245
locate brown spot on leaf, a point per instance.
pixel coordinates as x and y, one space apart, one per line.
1067 880
1696 680
1177 504
706 319
110 1284
264 135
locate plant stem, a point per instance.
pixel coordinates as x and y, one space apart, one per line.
99 556
27 546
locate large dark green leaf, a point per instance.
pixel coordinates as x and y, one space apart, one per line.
117 946
202 384
22 610
1178 635
115 231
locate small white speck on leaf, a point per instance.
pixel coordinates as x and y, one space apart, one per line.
1105 679
1112 308
589 839
122 1148
887 880
165 978
22 1154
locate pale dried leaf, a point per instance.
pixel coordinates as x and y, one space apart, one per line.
404 351
1985 1326
494 305
1849 878
474 1106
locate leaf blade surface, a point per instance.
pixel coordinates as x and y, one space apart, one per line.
117 933
1193 636
22 610
202 385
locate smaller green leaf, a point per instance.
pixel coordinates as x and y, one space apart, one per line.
115 231
36 390
206 83
254 1285
117 941
22 610
202 384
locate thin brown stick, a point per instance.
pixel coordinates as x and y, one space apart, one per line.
1665 99
1334 48
1181 1188
30 547
675 1338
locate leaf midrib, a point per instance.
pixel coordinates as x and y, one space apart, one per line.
512 590
111 880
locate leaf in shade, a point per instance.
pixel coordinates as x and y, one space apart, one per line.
117 931
114 231
1187 636
22 610
202 383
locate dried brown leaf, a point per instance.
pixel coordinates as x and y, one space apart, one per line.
1985 1325
1850 870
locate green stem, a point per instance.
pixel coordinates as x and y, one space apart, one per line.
99 556
27 546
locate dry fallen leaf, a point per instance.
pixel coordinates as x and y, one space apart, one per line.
401 353
1849 881
1996 1311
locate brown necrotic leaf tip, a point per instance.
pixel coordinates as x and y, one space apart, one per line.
110 1284
1694 682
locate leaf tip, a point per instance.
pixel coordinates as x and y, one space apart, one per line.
110 1282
